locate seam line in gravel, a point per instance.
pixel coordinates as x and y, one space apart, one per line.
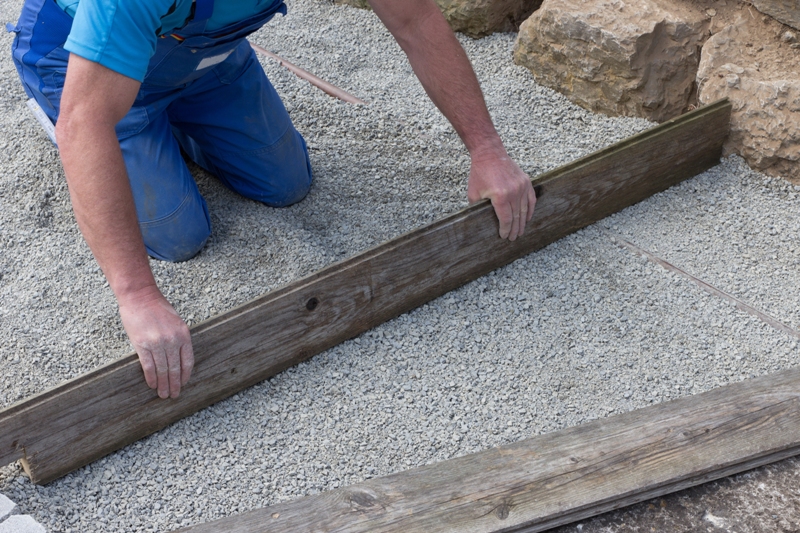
740 304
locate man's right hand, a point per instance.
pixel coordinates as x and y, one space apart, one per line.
160 338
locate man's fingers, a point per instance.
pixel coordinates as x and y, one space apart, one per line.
168 359
148 367
523 214
515 222
174 368
531 202
162 372
187 362
526 206
509 189
167 369
505 215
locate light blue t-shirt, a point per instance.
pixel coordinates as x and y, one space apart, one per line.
121 34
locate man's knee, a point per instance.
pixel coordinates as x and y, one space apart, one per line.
180 235
279 176
292 188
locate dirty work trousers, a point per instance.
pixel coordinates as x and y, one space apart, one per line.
229 120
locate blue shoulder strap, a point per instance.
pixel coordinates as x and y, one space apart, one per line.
203 9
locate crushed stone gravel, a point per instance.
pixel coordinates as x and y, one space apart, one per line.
580 330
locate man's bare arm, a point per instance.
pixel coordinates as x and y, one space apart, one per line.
93 101
445 72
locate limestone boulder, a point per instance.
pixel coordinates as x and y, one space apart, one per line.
478 18
785 11
619 57
760 72
361 4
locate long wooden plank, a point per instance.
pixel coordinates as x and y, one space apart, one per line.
552 480
104 410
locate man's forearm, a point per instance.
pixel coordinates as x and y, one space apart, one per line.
94 100
104 207
445 72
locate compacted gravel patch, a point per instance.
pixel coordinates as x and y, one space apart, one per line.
580 330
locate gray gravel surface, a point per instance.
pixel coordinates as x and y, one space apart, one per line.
580 330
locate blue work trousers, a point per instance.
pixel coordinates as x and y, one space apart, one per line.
230 121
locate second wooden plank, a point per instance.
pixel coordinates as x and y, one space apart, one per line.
555 479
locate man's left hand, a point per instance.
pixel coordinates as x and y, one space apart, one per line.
500 179
445 72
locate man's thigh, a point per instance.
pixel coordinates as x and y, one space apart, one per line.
173 216
232 122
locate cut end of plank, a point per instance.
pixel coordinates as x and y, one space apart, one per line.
26 467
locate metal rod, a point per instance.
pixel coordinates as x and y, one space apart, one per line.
314 80
741 305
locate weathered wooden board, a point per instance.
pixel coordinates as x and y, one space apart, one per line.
104 410
555 479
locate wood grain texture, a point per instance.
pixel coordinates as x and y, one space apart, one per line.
84 419
558 478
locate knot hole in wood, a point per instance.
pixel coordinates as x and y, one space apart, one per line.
502 511
362 499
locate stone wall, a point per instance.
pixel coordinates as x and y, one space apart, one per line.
659 58
785 11
743 64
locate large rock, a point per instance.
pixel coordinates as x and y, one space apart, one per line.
478 18
786 11
748 63
7 508
619 57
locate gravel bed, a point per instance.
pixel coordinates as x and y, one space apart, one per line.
755 217
581 330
